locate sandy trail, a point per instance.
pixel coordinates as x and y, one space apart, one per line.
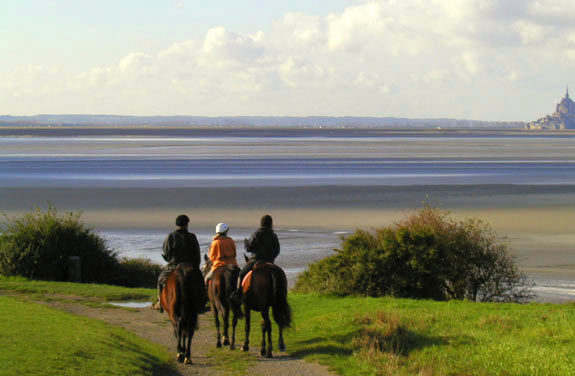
155 327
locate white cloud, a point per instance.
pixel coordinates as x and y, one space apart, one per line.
374 58
221 46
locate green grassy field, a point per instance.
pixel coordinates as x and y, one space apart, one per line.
36 340
409 337
88 290
387 336
378 336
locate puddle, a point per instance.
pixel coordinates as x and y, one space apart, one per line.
131 304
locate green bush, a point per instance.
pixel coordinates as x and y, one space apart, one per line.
137 272
427 255
37 245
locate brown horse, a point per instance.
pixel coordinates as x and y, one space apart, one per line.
223 284
266 287
181 298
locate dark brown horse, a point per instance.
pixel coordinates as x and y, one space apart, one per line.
181 298
223 283
265 287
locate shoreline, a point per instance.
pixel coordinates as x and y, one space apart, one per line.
538 222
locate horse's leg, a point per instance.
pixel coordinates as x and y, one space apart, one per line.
234 324
180 357
281 344
266 330
188 358
226 325
247 312
217 320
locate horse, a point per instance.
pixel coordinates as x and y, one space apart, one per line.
264 287
222 285
182 300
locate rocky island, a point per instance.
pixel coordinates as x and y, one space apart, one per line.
563 118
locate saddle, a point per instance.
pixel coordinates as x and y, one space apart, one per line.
247 281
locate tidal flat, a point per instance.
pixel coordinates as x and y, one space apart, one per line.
317 184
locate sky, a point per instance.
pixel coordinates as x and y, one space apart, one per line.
499 60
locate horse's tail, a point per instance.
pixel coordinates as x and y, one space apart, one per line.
232 275
280 307
189 296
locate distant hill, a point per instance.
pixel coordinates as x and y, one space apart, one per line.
249 121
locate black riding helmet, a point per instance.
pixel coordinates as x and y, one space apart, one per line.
182 220
266 221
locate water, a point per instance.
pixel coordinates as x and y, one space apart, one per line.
553 290
298 248
131 304
295 160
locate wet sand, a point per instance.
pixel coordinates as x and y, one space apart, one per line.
537 221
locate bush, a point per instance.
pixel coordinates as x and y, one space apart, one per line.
427 255
137 272
37 245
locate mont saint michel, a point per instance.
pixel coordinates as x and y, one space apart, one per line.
563 118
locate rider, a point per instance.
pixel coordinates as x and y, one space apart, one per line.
179 246
264 245
222 251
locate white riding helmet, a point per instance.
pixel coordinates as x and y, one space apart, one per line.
222 228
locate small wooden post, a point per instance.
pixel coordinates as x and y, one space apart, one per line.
74 269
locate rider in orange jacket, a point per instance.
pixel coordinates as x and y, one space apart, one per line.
222 250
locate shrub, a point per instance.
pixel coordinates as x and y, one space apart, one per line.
38 244
137 272
427 255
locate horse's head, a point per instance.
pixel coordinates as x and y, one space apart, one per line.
207 265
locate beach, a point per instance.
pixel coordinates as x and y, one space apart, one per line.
318 186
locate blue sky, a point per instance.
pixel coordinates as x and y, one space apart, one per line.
474 59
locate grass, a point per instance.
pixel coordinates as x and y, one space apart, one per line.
37 340
387 336
355 335
88 290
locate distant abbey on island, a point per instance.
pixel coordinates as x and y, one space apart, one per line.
563 118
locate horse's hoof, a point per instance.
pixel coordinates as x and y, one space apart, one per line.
219 344
245 348
269 355
188 361
232 347
180 357
263 352
226 342
282 347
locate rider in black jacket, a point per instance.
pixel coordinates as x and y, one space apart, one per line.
264 246
179 246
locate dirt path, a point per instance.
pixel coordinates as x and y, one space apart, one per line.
156 328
